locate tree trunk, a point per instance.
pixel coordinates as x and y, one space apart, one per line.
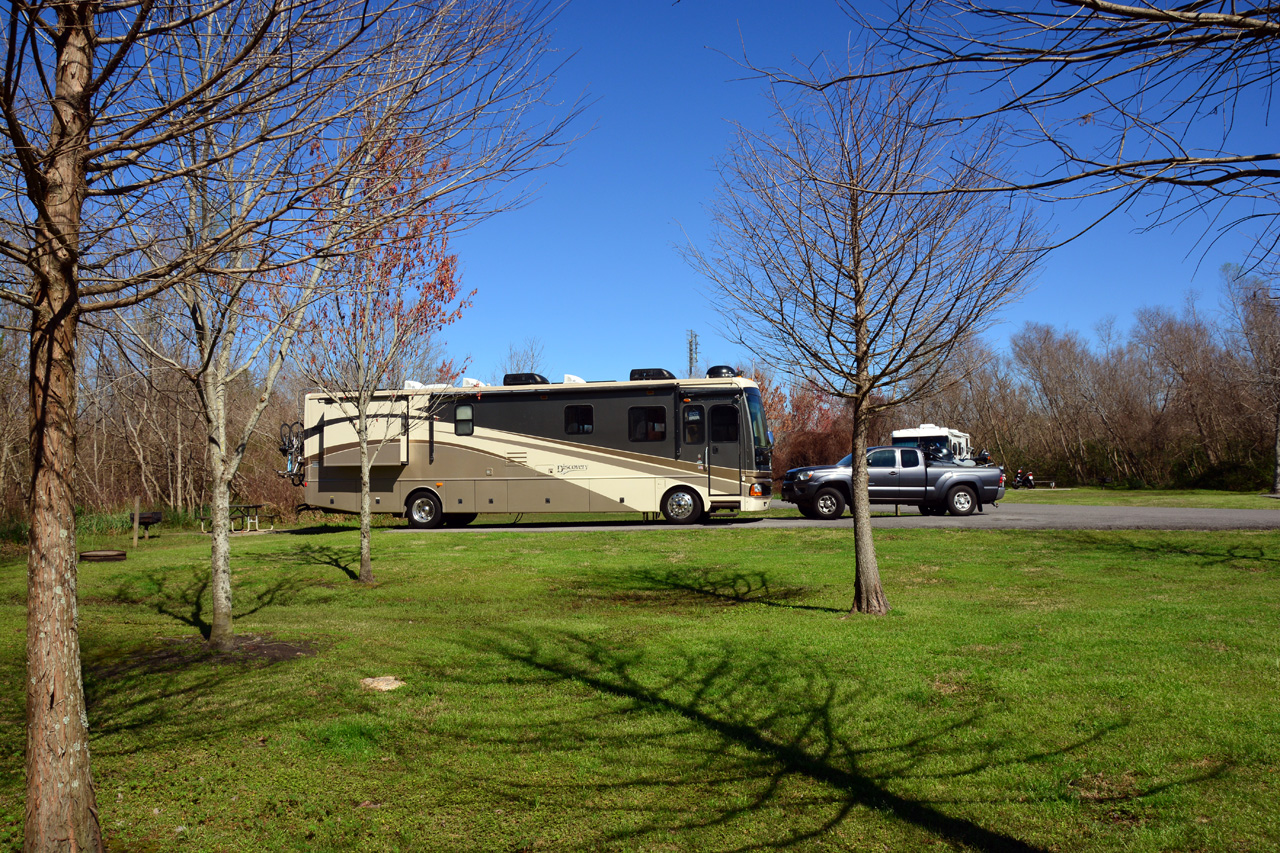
366 511
61 806
868 595
221 632
1275 473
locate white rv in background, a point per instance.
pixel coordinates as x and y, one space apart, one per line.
932 436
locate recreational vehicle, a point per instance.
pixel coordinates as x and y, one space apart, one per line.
935 438
440 455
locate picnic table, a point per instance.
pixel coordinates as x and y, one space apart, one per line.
249 516
145 520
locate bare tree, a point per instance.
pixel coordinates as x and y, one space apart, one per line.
1191 372
111 112
395 290
525 357
841 264
1114 99
1254 328
458 78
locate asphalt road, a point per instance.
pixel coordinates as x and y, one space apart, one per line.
1003 517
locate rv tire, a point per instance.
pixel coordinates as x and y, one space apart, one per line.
423 510
682 505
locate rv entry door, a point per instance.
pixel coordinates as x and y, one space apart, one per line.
711 436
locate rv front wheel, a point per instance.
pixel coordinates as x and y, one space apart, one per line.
423 511
682 505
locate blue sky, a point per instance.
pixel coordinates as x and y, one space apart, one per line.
590 268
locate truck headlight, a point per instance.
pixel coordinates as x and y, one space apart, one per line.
804 475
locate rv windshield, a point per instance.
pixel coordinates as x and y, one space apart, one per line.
759 423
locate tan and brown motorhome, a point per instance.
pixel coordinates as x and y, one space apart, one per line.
440 455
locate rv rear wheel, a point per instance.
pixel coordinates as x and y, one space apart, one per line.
681 505
423 511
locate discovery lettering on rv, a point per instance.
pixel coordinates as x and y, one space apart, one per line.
564 469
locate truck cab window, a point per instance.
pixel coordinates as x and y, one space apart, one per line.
884 458
910 458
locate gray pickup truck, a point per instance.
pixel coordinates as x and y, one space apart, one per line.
897 475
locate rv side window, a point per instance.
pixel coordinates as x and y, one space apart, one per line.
578 420
724 423
647 423
462 422
693 429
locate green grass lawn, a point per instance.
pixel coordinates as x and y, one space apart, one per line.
673 690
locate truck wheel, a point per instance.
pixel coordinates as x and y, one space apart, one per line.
962 501
423 511
458 519
681 505
828 504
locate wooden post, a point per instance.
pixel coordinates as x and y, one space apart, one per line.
137 506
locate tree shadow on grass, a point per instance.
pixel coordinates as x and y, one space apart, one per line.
732 587
317 529
337 558
1241 551
164 693
182 597
752 738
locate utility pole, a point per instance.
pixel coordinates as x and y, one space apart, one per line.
693 353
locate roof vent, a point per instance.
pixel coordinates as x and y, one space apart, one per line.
646 374
723 371
570 379
468 382
524 379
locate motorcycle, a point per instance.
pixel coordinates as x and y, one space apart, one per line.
1024 480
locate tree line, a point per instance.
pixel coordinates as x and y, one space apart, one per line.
1182 398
